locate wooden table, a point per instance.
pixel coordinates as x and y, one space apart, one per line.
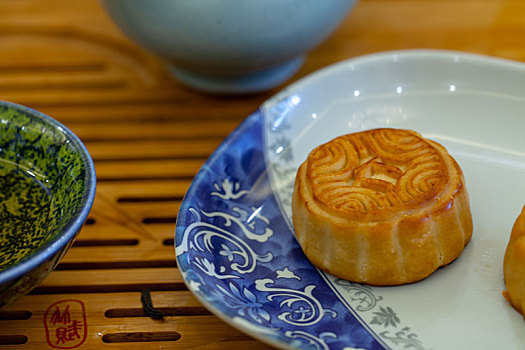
148 136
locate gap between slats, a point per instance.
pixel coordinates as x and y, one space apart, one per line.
142 337
168 311
105 265
16 339
15 315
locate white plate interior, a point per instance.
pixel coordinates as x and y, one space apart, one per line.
475 107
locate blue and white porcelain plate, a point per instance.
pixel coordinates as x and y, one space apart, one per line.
235 242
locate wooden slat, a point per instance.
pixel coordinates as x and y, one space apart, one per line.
147 169
153 149
143 188
65 97
58 81
152 210
145 251
105 231
157 130
112 279
235 109
36 303
122 314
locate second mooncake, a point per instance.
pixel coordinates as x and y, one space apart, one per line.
383 207
514 265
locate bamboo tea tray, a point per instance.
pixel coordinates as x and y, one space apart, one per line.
148 136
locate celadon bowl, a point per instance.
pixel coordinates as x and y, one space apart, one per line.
229 47
47 188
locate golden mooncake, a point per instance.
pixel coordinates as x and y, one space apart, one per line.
382 207
514 265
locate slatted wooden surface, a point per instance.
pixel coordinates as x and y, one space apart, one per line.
148 136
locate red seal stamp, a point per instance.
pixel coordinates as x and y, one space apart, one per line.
65 324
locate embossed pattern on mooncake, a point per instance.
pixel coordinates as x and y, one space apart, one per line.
383 206
374 173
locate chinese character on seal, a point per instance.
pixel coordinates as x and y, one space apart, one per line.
65 324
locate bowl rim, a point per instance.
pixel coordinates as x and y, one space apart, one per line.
48 250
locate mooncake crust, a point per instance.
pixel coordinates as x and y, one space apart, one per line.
514 265
382 207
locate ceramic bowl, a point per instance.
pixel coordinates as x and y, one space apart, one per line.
47 187
234 46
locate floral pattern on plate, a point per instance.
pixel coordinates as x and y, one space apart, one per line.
239 256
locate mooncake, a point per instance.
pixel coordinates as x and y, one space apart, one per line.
514 265
382 207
